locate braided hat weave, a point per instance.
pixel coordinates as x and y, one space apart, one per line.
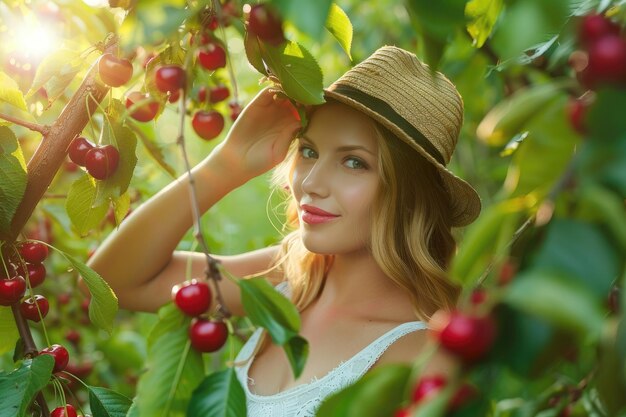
419 106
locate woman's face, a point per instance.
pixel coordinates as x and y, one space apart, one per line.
335 180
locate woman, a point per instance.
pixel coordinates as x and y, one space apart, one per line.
372 209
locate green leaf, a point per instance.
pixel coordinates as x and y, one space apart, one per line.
551 137
56 72
581 251
145 133
378 393
267 308
481 238
151 22
436 406
107 403
527 24
12 177
121 205
339 25
126 143
10 92
253 53
605 121
297 351
80 205
308 16
610 379
482 16
8 330
219 395
103 306
436 22
18 388
603 162
299 74
557 299
174 369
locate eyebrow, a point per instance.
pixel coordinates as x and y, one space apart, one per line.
345 148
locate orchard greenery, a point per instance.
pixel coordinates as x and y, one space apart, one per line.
101 105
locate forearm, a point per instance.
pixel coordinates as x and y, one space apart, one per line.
143 244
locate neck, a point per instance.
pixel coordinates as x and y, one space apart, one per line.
356 284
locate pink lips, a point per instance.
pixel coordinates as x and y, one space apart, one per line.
314 215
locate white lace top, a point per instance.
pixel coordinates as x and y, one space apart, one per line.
303 400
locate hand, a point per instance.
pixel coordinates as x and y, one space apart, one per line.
261 136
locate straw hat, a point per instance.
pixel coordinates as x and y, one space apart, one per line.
421 107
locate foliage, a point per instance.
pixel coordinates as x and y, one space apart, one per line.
547 250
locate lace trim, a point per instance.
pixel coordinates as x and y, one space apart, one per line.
385 340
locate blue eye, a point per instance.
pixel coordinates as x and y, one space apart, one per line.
355 163
306 152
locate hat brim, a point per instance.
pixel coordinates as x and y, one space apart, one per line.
465 201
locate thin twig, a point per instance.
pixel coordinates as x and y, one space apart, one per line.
43 129
212 271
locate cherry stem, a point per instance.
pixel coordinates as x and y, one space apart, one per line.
32 126
229 63
212 271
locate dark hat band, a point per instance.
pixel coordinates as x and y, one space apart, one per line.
383 109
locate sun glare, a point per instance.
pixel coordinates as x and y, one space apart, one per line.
35 41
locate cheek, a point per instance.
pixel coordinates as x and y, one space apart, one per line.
360 197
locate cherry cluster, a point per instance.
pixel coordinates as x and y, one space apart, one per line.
193 298
100 161
28 261
469 336
601 62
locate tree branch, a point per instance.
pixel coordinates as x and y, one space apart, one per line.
52 150
28 125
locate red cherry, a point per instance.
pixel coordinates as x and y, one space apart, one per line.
265 23
101 162
462 396
403 412
507 272
207 124
202 95
576 111
427 387
34 252
207 336
78 149
11 270
594 27
65 411
174 96
218 93
170 78
478 296
146 111
212 56
235 110
607 62
193 297
114 71
64 298
72 336
60 355
36 274
12 290
29 307
468 337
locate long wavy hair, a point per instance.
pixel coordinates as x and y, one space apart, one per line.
411 232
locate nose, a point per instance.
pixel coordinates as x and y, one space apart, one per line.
315 180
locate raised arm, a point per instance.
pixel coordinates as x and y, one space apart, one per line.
139 260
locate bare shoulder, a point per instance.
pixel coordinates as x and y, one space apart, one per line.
408 348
